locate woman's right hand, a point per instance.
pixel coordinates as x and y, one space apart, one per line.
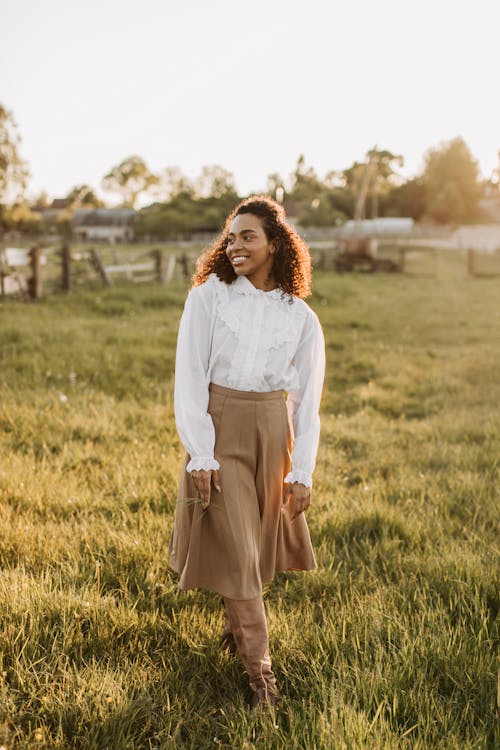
202 481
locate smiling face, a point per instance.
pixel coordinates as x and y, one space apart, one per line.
249 250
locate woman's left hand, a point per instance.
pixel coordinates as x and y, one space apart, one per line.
296 498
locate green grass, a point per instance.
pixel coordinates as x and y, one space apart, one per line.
391 643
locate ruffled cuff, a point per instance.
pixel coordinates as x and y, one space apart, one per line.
203 463
299 476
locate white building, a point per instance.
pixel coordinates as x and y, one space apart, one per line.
384 225
104 224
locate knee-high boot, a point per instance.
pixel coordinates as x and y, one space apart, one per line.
248 622
226 640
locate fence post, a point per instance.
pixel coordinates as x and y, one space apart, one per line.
184 261
159 266
170 268
98 265
35 280
66 267
471 262
402 258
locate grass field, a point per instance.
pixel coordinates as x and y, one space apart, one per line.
391 643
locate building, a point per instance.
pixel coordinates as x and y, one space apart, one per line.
50 214
104 224
383 226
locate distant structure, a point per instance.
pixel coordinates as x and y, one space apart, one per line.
386 225
104 224
489 205
52 213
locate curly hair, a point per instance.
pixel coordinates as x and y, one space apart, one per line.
291 269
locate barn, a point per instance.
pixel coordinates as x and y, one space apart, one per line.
104 224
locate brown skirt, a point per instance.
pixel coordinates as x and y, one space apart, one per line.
246 535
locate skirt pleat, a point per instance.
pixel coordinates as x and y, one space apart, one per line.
245 536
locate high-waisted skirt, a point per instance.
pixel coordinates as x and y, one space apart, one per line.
245 536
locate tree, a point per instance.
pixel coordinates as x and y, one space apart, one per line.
408 199
313 199
353 179
130 178
215 182
275 186
83 196
21 217
305 185
162 221
13 170
495 175
372 179
42 200
320 212
382 175
171 182
451 180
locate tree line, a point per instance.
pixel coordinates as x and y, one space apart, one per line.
448 190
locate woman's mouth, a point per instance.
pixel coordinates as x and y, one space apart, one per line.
237 260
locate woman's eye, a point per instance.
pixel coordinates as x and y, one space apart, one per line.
247 238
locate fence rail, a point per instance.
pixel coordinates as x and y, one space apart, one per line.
483 264
27 272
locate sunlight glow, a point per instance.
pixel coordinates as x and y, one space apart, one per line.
181 84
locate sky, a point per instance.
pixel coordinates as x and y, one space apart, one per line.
247 85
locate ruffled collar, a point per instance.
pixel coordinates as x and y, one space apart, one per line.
243 286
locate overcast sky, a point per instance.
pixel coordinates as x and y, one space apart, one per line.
248 85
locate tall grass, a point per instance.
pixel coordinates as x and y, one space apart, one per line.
391 643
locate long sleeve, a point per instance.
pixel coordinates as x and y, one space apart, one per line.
192 377
303 403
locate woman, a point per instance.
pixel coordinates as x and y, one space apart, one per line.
246 340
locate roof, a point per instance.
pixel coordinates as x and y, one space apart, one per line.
102 217
382 225
60 203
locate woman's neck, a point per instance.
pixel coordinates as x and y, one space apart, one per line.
264 283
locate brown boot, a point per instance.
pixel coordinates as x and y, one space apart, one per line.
264 697
248 622
226 640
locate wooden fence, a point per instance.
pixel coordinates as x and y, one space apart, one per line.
23 272
13 264
482 264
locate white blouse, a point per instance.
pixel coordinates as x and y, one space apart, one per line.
241 337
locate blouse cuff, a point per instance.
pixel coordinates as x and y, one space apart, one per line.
299 476
203 463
